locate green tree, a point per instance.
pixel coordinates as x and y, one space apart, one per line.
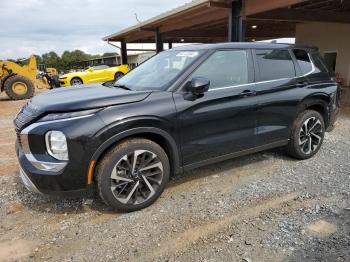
109 54
73 59
51 59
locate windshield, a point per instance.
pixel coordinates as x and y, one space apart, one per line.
160 71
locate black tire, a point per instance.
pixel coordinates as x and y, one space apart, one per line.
118 75
315 130
111 163
18 87
76 81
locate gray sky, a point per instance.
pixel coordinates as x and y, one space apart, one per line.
39 26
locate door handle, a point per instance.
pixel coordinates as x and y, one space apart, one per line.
247 93
301 84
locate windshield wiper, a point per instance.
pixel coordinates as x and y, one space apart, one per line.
122 87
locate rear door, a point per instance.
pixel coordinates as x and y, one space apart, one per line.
276 93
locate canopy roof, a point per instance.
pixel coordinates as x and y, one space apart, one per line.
206 21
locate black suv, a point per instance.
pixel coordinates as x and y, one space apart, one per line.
181 109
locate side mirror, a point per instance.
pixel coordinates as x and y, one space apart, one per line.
199 85
90 69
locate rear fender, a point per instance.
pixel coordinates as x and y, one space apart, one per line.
319 100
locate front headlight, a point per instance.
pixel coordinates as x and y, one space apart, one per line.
68 115
56 145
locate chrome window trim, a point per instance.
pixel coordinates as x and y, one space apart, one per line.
274 80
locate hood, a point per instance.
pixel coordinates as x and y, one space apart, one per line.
85 97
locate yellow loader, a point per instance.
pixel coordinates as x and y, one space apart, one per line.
19 82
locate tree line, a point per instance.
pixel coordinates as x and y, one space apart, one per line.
68 60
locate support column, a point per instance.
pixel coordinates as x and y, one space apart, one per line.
170 45
124 53
159 41
236 22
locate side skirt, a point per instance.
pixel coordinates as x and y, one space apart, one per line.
236 154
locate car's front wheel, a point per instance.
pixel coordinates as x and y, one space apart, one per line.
307 135
132 175
76 81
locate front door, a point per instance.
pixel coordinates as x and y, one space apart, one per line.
97 75
223 120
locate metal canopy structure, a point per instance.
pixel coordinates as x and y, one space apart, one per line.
211 21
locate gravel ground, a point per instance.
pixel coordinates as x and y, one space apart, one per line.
262 207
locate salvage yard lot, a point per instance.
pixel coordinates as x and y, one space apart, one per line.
263 207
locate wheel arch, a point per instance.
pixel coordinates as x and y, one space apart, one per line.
154 134
118 72
4 80
78 77
318 102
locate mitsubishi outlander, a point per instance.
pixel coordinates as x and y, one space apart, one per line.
181 109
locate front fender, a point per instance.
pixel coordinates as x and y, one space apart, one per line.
134 131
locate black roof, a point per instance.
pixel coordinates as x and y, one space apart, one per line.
244 45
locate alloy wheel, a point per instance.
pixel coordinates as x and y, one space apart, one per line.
136 177
310 135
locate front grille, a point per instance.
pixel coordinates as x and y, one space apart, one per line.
26 116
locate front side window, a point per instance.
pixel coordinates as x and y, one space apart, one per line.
275 64
224 69
99 67
303 60
159 71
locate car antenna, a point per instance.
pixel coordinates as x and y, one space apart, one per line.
137 19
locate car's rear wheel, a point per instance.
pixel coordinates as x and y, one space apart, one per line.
133 174
76 81
307 135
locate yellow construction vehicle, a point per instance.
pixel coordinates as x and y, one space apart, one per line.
19 82
51 71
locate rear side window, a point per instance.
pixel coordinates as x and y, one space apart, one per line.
224 69
275 64
320 66
303 60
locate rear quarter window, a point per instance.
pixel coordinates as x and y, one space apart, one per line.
320 65
303 60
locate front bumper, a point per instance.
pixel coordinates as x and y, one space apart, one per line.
27 182
70 177
52 183
64 82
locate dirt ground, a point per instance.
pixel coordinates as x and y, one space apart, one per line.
263 207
